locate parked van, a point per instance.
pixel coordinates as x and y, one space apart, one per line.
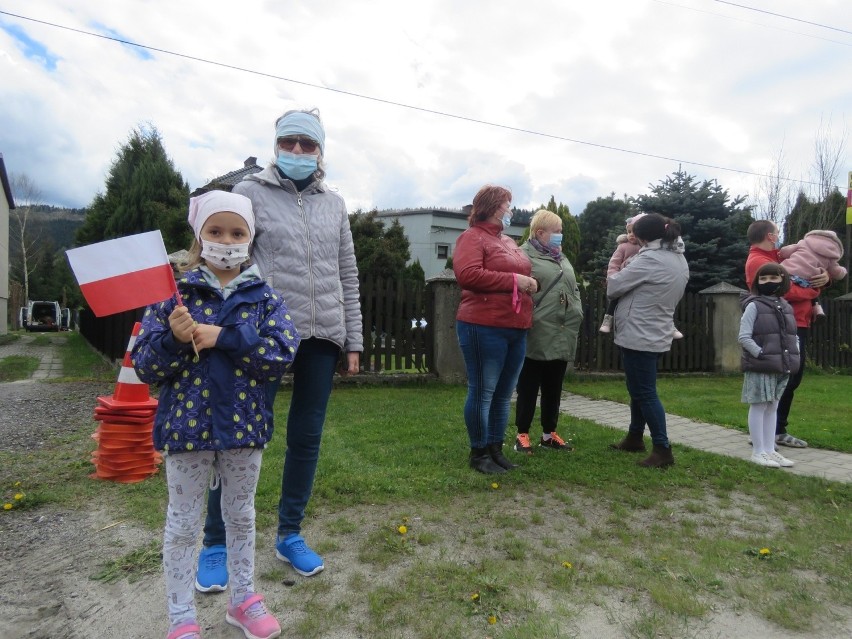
42 316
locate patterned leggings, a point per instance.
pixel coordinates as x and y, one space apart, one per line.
188 475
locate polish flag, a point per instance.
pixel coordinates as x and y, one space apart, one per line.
123 274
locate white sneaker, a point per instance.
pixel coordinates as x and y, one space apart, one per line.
762 459
606 325
782 461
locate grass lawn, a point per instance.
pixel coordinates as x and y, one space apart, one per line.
418 545
820 413
521 554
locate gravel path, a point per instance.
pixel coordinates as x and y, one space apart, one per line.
33 412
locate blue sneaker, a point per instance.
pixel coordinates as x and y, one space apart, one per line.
212 575
295 552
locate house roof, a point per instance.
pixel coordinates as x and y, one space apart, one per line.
229 180
4 178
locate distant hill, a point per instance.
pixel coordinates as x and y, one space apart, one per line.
57 225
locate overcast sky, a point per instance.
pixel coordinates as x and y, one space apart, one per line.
424 102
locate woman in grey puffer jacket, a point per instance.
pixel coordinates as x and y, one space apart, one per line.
304 249
648 291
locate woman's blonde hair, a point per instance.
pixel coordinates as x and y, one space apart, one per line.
542 219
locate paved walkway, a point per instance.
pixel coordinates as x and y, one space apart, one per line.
712 438
50 364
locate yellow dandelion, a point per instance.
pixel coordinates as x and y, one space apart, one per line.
17 483
474 596
495 485
7 506
19 496
402 530
492 619
764 551
567 564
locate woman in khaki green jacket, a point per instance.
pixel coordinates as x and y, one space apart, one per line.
552 340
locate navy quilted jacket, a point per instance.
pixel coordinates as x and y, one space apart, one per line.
217 400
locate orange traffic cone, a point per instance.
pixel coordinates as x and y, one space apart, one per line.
130 392
125 450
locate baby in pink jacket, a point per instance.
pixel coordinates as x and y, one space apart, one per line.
627 247
818 250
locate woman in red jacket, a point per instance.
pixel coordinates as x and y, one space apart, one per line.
492 322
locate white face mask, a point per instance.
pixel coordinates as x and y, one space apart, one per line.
224 256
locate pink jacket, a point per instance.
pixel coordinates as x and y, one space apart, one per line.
622 254
818 249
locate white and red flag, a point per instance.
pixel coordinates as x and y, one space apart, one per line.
123 274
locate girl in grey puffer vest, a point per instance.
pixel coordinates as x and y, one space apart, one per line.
770 354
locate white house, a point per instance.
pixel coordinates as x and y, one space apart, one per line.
432 234
6 205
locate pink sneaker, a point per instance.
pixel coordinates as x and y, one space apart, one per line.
188 630
253 619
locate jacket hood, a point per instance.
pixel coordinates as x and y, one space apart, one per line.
824 243
677 246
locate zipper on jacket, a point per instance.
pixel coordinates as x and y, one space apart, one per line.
310 262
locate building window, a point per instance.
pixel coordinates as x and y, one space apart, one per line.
443 251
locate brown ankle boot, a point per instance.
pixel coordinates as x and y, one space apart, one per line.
660 457
632 443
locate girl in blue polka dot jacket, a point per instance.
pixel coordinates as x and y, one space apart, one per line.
212 351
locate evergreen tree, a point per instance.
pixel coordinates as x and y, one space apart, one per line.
379 251
829 215
414 272
713 225
144 192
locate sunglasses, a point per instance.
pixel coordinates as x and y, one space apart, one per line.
289 143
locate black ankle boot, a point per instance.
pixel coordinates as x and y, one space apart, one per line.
497 456
480 460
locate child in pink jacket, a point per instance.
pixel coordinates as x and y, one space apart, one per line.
627 248
817 251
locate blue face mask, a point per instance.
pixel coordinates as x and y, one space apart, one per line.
506 219
555 240
296 166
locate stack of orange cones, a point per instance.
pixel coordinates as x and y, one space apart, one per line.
125 450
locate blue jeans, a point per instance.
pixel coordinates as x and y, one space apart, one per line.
640 372
313 373
493 358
